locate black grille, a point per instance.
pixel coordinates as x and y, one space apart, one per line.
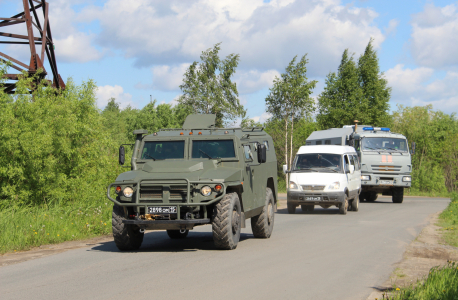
151 192
178 193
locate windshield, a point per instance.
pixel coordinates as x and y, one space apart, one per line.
213 149
318 162
384 143
163 150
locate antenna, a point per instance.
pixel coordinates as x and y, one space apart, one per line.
30 17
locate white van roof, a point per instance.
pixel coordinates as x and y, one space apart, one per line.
326 149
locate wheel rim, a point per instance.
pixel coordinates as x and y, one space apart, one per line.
270 213
235 221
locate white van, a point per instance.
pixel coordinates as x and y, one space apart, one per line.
324 175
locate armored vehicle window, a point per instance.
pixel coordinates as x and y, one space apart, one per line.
163 150
318 162
327 142
318 143
384 143
213 149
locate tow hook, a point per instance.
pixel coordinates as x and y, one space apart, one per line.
142 230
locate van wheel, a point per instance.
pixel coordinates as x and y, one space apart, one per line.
227 222
262 225
343 207
291 208
398 195
178 234
308 208
126 237
372 196
355 204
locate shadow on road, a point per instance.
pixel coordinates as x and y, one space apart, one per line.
317 211
159 241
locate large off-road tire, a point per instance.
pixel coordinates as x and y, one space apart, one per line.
355 204
226 222
343 207
126 237
398 195
263 224
177 234
308 208
291 208
372 196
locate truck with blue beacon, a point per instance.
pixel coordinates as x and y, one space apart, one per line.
384 157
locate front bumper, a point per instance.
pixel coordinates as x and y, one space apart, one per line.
146 195
385 181
331 198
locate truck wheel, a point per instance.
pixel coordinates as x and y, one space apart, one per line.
398 195
343 207
178 234
126 237
263 224
291 208
308 208
372 197
227 222
355 204
363 196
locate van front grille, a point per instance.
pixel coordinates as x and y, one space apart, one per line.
313 187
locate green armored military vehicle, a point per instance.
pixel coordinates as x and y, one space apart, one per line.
196 175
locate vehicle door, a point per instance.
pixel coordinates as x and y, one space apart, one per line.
353 182
348 175
249 175
357 172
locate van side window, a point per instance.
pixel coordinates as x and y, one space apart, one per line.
357 165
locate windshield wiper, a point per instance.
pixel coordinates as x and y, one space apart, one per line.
206 154
306 169
330 169
150 156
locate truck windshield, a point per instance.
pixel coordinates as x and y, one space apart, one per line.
163 150
318 162
384 143
213 149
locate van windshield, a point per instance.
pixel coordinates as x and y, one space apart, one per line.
318 162
384 143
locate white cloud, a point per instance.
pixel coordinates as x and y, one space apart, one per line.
417 87
266 35
253 80
104 93
262 118
76 48
434 41
167 78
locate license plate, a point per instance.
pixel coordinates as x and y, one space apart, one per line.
162 209
310 198
386 182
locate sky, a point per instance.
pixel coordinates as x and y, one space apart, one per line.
138 50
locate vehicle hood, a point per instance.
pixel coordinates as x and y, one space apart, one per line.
191 170
315 178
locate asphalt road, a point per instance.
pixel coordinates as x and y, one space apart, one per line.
323 255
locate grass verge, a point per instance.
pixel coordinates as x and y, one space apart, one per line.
24 228
448 220
441 283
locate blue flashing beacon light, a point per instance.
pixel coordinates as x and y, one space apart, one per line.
368 128
385 129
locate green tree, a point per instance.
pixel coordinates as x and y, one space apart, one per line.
341 102
207 86
289 99
376 93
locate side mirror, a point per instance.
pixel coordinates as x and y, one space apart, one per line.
285 169
412 150
262 154
122 155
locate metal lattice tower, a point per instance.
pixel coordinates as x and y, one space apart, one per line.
30 17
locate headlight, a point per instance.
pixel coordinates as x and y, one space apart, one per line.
365 177
292 185
206 190
334 186
407 178
128 191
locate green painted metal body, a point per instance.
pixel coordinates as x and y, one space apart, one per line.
178 182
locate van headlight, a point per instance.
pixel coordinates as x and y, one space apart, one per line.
407 178
127 192
365 177
292 185
334 186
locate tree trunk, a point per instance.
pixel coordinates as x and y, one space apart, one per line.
286 150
